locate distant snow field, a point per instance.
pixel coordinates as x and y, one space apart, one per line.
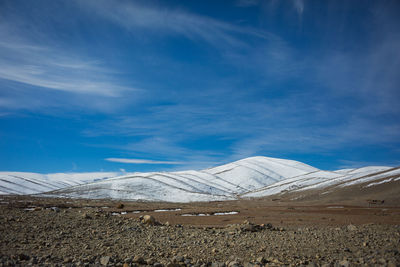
246 178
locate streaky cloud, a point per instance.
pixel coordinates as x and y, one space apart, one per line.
52 69
142 161
134 16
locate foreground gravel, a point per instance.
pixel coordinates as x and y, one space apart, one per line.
92 237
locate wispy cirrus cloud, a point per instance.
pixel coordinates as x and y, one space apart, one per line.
166 21
52 69
350 164
142 161
71 74
33 62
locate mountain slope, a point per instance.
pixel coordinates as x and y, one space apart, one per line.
219 183
324 179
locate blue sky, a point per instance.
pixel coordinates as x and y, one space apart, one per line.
168 85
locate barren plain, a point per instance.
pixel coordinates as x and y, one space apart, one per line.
272 232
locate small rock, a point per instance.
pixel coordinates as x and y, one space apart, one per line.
382 261
234 264
150 261
178 259
34 260
273 260
157 264
120 206
104 260
138 259
149 220
171 264
23 257
351 227
261 260
248 228
344 263
217 264
86 216
55 209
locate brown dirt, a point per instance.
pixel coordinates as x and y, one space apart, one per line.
67 232
276 211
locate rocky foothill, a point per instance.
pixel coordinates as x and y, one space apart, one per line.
94 237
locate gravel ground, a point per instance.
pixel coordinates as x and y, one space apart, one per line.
93 237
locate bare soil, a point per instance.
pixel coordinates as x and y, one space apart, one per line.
66 232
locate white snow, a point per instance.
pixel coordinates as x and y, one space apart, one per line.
163 210
344 171
226 213
29 209
380 182
210 214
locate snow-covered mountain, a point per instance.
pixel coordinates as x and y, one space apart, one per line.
246 178
219 183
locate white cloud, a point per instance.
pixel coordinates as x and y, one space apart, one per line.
134 16
55 70
142 161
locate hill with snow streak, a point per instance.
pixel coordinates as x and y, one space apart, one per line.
219 183
325 179
246 178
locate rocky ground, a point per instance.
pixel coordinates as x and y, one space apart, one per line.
73 235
